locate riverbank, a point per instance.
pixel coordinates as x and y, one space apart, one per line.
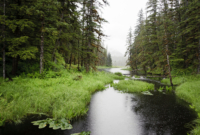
59 95
189 90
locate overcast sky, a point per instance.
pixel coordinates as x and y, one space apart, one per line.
121 15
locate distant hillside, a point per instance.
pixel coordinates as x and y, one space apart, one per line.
118 58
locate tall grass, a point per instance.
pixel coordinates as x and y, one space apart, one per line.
190 91
133 86
181 79
59 97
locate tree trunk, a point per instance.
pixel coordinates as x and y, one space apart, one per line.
168 63
166 40
14 66
89 36
198 70
70 61
57 41
4 44
78 56
42 48
83 24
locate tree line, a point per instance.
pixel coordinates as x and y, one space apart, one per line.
51 34
167 38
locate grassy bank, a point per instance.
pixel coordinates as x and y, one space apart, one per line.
133 86
181 79
189 90
62 96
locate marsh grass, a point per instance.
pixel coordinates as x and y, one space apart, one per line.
181 79
136 76
190 92
59 97
133 86
118 73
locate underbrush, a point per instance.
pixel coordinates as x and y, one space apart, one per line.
133 86
57 97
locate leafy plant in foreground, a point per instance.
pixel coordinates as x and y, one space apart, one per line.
147 93
63 124
169 88
82 133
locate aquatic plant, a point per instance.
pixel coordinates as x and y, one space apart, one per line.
82 133
168 88
160 89
119 77
63 124
147 93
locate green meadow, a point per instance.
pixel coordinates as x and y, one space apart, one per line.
58 95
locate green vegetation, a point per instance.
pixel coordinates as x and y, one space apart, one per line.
190 91
136 76
57 97
82 133
118 73
133 86
62 124
181 79
119 76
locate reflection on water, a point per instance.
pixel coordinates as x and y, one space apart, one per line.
111 114
114 113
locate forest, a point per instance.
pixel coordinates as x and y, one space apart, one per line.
57 75
166 38
50 35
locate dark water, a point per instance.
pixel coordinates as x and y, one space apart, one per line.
114 113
